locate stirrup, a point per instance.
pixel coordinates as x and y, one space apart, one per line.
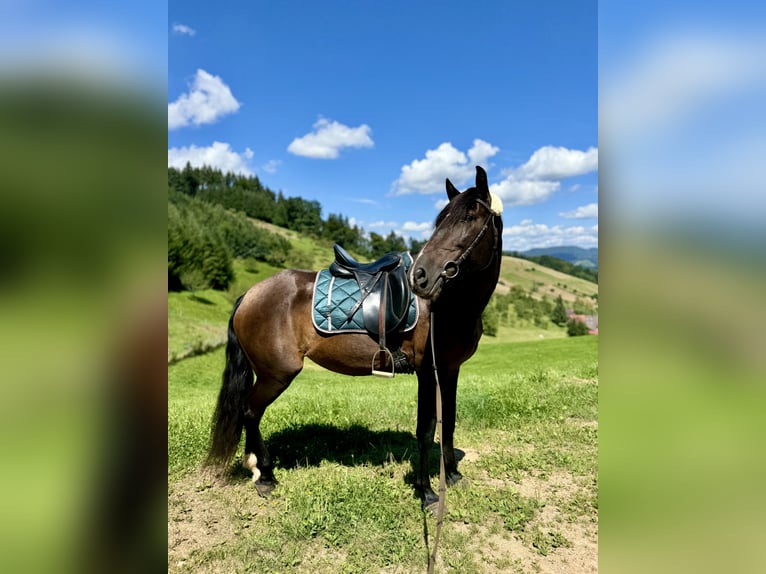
378 373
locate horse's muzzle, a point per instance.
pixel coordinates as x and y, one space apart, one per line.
422 285
420 278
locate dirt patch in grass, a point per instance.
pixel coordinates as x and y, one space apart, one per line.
562 537
558 483
207 515
206 512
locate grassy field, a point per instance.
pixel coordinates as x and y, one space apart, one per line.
345 448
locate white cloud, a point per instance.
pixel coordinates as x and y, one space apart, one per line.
675 112
382 224
583 212
184 30
219 155
540 177
365 201
424 228
271 166
528 235
427 175
480 153
418 230
524 192
327 139
556 163
674 77
208 100
79 49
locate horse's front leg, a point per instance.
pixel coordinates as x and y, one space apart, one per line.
425 436
449 402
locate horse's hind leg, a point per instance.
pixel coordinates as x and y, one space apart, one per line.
257 458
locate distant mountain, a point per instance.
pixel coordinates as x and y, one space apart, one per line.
587 258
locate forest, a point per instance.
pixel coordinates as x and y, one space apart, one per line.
209 223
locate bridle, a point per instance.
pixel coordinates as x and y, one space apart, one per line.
452 268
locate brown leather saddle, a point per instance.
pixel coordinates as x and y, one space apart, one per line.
384 297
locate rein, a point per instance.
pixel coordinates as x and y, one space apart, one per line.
442 470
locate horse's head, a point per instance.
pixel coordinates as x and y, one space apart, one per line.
467 238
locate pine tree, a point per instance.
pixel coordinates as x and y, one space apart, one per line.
559 313
490 320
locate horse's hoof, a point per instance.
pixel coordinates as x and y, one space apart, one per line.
429 499
264 488
453 478
433 508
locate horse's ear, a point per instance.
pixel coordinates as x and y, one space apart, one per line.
452 191
481 181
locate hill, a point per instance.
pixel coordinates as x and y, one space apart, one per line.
542 280
587 258
197 319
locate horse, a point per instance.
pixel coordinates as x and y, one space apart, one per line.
270 332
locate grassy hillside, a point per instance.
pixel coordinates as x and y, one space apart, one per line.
197 321
515 271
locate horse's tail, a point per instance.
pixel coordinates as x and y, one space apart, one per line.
228 418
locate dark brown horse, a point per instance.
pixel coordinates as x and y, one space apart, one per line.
271 332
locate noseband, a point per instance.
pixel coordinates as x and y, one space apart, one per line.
452 268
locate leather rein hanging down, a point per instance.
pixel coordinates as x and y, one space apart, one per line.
442 471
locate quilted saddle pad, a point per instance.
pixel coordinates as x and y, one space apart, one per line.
335 297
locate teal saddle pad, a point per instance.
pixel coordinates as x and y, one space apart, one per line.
335 297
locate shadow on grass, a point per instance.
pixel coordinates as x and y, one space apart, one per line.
310 444
200 299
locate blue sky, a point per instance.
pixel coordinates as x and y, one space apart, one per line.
682 87
367 107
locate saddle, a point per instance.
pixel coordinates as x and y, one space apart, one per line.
385 297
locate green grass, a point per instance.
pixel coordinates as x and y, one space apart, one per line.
344 450
197 321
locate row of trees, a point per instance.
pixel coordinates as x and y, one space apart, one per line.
208 225
246 194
